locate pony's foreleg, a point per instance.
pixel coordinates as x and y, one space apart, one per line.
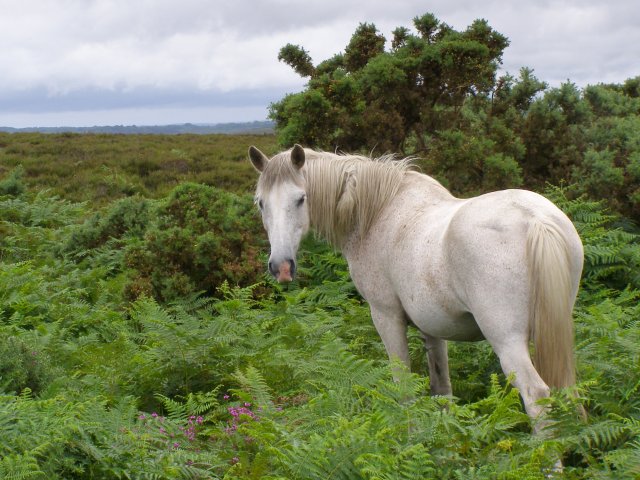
438 365
392 328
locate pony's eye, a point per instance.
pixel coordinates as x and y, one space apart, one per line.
300 201
260 204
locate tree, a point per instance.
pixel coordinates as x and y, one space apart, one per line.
389 100
366 43
432 92
298 59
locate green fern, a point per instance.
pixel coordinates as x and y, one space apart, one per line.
20 467
253 387
603 435
412 463
624 463
333 455
192 404
612 255
306 355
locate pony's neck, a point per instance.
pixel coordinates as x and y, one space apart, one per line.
346 193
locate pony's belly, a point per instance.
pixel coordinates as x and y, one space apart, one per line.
439 324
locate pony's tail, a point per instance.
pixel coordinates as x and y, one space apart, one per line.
551 304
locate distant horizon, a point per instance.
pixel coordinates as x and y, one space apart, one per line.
256 127
199 124
139 116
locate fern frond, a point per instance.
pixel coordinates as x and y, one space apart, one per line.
602 435
253 383
20 467
192 404
625 462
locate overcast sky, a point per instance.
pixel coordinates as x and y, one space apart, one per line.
151 62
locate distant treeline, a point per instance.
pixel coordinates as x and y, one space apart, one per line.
257 127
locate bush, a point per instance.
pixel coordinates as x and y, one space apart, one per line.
125 217
12 185
471 164
22 366
203 236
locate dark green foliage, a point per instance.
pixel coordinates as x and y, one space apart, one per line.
434 94
365 44
128 217
13 184
310 114
613 158
369 98
298 59
22 366
192 241
473 164
202 237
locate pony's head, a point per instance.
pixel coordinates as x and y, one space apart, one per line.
282 200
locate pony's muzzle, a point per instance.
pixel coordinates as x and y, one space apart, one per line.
284 271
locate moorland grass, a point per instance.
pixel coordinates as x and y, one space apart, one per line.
100 168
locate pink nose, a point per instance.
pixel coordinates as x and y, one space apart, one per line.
284 272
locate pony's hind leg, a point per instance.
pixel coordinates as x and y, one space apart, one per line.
438 365
506 328
514 358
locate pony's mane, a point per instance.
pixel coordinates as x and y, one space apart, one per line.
343 191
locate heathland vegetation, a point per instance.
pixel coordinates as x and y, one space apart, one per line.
141 338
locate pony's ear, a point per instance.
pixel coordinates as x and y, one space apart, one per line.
258 159
297 156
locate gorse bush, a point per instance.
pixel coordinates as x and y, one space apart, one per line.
434 92
129 216
202 236
191 241
467 163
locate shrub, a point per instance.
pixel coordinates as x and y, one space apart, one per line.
12 185
471 164
203 236
125 217
22 366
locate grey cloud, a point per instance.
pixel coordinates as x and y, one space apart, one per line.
39 100
115 54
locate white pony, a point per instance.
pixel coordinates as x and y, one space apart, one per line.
504 266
